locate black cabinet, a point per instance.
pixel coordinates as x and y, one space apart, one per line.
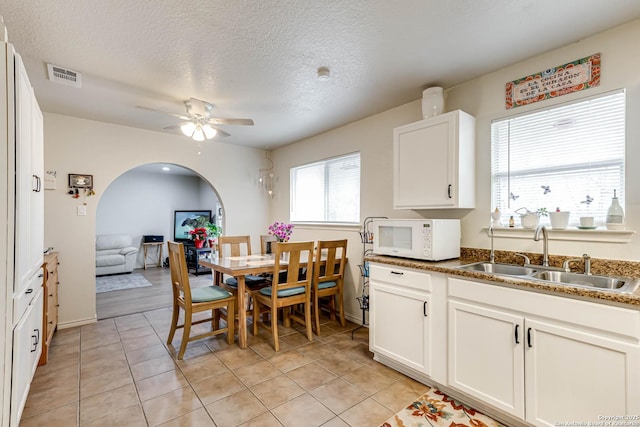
194 254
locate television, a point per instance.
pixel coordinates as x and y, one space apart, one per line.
185 221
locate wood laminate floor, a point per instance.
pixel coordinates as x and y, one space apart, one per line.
138 300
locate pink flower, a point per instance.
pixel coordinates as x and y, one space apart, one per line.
282 231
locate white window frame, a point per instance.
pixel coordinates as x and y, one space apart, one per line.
294 217
578 212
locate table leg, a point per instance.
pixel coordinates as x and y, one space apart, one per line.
242 313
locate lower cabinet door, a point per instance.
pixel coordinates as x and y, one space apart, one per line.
27 346
486 355
400 325
573 375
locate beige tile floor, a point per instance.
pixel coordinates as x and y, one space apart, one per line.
120 372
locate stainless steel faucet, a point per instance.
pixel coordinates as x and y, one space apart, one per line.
545 241
587 264
492 254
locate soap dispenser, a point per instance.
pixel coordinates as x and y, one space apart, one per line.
615 214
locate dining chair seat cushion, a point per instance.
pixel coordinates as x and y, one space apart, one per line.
326 285
249 279
284 292
208 293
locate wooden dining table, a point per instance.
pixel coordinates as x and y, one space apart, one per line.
239 267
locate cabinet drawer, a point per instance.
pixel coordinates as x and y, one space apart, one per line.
21 301
401 276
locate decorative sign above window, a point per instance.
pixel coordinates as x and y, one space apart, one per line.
574 76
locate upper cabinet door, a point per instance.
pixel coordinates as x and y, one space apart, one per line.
434 163
29 228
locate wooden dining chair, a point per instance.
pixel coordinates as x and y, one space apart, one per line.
233 246
238 246
294 291
195 300
328 279
265 243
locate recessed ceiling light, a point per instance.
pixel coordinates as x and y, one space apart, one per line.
323 73
166 168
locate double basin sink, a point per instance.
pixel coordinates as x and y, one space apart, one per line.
557 276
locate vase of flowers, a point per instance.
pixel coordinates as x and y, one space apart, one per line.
281 231
199 236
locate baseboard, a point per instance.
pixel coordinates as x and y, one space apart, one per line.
355 319
87 321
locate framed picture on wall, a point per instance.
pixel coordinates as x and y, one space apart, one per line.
80 181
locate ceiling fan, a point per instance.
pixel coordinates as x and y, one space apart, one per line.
198 123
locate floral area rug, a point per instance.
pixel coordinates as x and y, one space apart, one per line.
120 281
435 408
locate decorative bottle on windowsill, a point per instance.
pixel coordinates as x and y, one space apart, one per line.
615 214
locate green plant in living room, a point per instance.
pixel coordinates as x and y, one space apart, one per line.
213 230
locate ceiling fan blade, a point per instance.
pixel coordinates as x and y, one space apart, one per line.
221 121
220 131
171 127
163 112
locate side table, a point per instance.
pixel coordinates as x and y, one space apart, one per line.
158 245
193 255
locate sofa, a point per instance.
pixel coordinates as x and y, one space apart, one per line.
115 254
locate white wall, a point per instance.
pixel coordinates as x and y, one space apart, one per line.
106 151
483 98
139 203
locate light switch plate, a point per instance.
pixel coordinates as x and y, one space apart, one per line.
82 210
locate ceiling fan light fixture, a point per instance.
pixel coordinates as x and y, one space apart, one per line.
198 134
188 128
209 132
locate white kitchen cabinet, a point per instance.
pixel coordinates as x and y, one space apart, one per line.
407 320
542 358
27 347
485 361
573 374
434 163
22 124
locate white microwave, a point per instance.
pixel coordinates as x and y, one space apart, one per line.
424 239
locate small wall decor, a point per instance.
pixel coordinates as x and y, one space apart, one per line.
50 180
80 181
571 77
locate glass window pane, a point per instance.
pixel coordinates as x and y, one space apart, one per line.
327 191
569 157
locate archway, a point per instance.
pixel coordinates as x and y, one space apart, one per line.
142 201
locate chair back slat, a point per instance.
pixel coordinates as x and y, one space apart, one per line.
298 253
335 254
179 273
233 245
265 243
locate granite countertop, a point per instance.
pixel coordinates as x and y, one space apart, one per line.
450 267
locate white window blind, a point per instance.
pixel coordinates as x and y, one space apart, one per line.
569 157
327 191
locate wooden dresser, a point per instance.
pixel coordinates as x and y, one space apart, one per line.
50 317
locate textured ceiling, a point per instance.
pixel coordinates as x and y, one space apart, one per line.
258 59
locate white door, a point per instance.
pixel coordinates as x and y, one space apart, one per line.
400 325
424 163
36 208
573 375
486 355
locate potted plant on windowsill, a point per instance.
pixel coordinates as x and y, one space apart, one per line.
530 219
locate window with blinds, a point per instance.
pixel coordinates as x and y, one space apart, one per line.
569 157
327 191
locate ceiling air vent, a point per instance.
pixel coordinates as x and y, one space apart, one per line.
64 76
